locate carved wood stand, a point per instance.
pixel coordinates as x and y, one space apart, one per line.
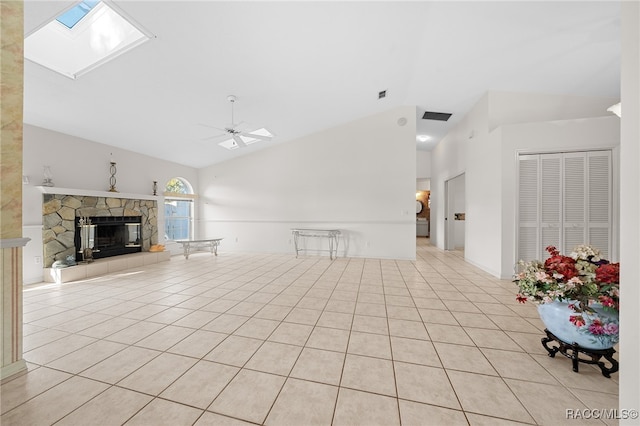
573 351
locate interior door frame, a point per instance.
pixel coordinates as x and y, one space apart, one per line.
449 224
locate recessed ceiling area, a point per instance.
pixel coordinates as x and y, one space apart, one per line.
300 67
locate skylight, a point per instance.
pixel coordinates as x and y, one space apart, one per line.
72 16
88 35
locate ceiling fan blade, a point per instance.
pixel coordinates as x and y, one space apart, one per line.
238 140
256 136
211 127
240 132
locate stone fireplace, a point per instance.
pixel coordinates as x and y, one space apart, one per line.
112 215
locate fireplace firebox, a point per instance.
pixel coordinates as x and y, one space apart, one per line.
108 236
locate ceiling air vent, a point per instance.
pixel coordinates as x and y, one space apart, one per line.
382 94
440 116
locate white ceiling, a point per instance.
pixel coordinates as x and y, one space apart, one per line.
300 67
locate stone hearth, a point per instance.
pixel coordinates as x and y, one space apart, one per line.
58 220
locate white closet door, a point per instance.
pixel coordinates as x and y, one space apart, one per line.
551 202
575 201
564 200
528 207
599 201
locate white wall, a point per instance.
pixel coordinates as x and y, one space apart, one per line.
450 158
515 108
551 136
630 212
358 177
82 164
423 184
483 176
423 164
479 147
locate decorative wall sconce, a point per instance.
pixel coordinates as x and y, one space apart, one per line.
616 109
112 179
48 176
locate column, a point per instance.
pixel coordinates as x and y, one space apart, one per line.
630 211
11 241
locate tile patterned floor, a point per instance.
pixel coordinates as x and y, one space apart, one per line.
270 339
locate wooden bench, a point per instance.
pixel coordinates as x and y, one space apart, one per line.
206 244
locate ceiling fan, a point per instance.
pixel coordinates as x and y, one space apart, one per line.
238 138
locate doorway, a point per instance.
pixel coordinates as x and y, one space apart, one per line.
454 229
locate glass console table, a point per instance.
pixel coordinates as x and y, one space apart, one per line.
189 245
330 234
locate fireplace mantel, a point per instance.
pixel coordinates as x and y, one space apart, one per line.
90 193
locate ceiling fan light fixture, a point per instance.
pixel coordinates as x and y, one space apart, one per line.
247 138
240 138
230 144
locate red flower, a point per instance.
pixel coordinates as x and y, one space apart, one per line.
552 250
564 265
596 327
520 298
577 320
608 273
607 301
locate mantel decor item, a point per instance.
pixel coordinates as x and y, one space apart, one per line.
578 302
112 179
155 187
48 176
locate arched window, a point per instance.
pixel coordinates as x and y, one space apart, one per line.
178 209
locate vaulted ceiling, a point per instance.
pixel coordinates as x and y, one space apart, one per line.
300 67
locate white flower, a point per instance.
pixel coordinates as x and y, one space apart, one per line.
573 282
542 276
584 252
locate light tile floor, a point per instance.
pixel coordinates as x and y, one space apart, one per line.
271 339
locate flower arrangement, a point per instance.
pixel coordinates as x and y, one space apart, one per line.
582 279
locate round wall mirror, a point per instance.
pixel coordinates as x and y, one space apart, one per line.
418 206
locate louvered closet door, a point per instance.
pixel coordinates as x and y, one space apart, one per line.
575 201
551 203
528 207
564 200
599 201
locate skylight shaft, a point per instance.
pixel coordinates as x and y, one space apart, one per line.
83 38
